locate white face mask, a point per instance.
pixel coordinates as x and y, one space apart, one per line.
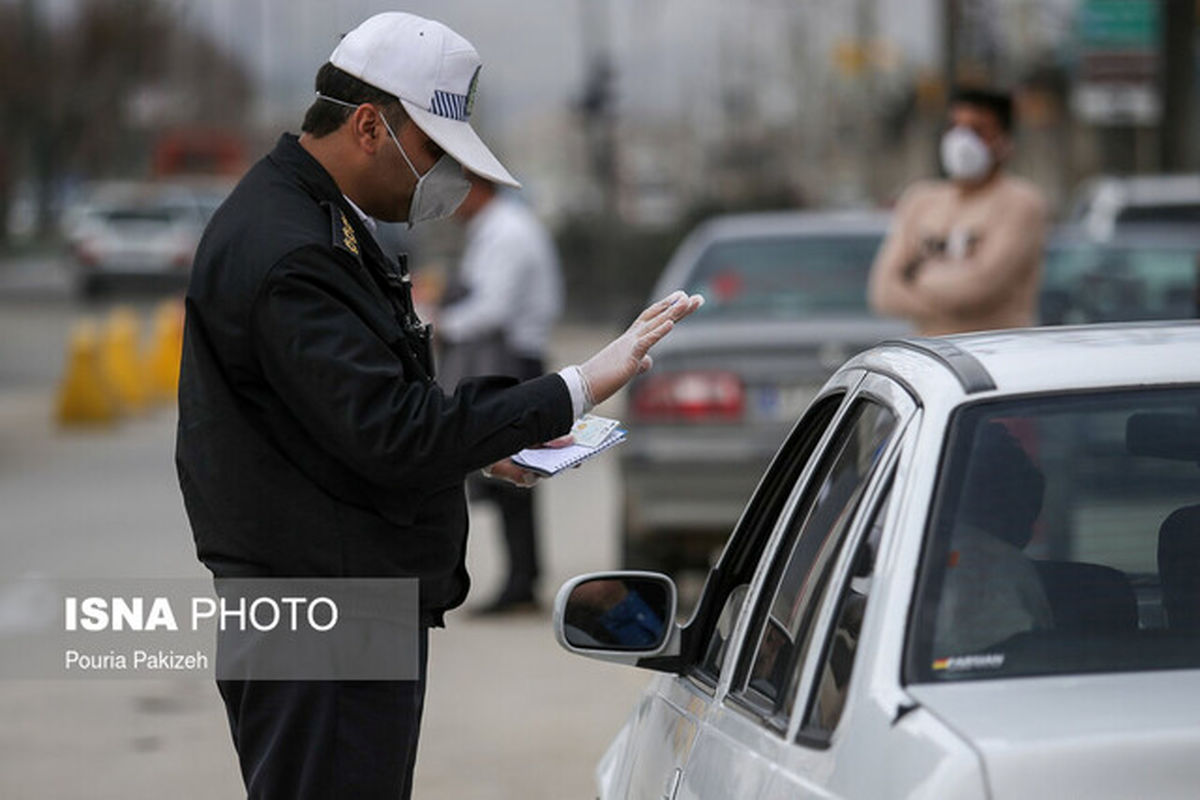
439 191
965 157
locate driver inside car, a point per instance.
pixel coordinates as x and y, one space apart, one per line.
991 590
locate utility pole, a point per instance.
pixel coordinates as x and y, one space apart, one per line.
867 124
598 104
950 23
1176 152
38 134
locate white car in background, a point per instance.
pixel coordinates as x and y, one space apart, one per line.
140 232
971 571
1107 206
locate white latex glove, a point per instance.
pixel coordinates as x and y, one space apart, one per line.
511 472
626 356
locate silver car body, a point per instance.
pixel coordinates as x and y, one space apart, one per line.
1097 735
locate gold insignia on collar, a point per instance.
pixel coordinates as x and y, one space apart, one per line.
348 237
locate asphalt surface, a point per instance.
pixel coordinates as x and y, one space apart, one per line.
508 715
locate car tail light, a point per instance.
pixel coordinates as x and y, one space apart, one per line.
690 397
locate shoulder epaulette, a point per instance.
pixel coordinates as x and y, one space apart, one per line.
343 232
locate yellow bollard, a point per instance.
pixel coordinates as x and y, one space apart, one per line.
166 348
83 396
119 359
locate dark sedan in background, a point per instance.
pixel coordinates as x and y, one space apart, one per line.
785 305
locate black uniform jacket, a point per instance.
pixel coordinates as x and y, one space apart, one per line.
310 440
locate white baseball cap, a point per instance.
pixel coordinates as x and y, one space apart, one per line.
433 71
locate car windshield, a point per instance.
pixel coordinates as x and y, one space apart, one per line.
1065 538
785 276
1119 283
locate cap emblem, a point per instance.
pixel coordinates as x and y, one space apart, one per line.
455 106
472 90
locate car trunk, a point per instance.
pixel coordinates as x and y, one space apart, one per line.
781 363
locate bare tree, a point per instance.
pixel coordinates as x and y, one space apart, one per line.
88 98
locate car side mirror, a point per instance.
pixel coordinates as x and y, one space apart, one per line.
618 616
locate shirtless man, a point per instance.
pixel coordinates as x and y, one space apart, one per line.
965 254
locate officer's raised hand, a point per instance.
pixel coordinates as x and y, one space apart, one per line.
607 371
627 356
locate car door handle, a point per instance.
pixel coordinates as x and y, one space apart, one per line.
673 784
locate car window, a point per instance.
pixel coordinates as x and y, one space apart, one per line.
1063 539
1086 283
841 645
730 579
784 277
799 576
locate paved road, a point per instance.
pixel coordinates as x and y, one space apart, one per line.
509 714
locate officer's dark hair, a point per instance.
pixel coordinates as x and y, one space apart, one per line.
999 103
324 117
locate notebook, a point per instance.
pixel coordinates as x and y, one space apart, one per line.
549 461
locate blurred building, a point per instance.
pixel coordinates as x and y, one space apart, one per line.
813 103
644 111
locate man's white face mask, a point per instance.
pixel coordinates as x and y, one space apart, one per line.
439 191
965 156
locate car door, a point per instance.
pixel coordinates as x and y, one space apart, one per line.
798 618
648 759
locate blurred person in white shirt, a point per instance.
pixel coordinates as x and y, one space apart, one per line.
496 319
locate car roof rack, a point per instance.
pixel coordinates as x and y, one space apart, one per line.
971 374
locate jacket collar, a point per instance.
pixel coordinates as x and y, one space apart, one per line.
289 156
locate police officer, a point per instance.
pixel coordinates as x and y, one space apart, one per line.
312 438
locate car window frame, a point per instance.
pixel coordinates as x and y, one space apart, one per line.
880 497
771 709
894 397
887 487
815 536
753 536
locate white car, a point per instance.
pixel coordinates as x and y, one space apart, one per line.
1108 205
140 232
971 571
